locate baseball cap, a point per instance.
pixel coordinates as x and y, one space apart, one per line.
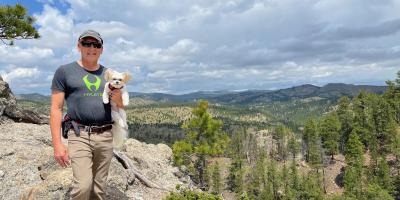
91 33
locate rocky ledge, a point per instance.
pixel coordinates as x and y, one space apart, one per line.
9 111
27 167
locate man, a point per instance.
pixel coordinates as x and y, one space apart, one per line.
81 84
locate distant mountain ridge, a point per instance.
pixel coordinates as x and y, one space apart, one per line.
33 97
328 91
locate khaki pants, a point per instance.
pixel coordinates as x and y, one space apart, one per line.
90 156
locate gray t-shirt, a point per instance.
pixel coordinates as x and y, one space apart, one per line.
83 93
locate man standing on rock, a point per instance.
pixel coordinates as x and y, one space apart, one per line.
81 84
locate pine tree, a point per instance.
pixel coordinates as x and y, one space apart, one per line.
289 192
354 172
374 192
345 116
295 179
250 147
261 167
270 189
381 143
206 138
280 135
309 133
257 177
273 178
235 176
236 146
392 96
16 24
329 128
293 146
315 150
182 151
394 145
396 186
384 179
239 181
311 187
253 188
216 179
363 117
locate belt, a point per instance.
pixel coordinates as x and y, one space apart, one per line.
95 129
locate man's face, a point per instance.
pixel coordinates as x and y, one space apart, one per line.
89 49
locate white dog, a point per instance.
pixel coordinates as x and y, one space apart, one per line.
117 80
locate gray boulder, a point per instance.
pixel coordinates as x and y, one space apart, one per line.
10 111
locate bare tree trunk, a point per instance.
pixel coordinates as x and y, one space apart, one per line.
201 169
128 165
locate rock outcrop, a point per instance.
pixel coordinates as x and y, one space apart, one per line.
27 166
9 111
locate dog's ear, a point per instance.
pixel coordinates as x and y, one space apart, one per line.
108 74
127 77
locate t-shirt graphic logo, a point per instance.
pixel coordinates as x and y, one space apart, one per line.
90 84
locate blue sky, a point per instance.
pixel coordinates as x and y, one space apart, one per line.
36 6
184 46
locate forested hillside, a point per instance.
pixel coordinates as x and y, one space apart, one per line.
280 164
297 143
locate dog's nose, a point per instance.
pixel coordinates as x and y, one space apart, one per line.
118 82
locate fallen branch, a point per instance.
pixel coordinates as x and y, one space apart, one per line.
128 165
30 195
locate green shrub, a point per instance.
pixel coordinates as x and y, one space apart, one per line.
186 194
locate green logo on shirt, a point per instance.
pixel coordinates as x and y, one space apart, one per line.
90 84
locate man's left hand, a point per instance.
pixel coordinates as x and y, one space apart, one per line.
116 96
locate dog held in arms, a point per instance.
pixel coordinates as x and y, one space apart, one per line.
116 80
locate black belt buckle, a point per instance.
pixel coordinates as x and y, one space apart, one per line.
89 129
85 128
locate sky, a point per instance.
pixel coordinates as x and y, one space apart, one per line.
178 47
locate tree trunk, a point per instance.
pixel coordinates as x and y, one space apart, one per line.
201 170
128 165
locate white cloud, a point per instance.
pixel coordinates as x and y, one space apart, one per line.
20 73
52 17
18 55
162 25
155 58
107 29
184 47
208 45
55 29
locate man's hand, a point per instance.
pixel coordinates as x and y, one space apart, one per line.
116 96
61 155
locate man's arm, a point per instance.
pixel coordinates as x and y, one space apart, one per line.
60 151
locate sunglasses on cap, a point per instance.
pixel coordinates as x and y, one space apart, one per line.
96 45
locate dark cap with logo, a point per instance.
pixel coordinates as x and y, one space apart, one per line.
93 34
